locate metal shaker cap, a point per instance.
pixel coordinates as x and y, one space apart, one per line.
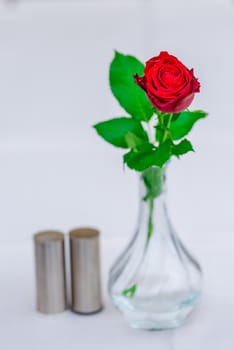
85 271
50 272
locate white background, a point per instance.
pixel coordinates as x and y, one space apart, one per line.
57 173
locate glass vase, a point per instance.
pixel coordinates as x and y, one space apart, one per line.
155 282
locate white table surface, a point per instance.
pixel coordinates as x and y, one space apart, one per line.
210 327
56 173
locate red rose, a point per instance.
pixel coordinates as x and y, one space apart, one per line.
169 85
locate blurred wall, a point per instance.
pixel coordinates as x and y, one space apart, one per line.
54 59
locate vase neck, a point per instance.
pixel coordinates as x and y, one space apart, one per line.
152 183
153 211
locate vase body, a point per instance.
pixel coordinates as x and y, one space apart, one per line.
155 282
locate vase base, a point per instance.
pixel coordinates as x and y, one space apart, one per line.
151 326
156 315
157 325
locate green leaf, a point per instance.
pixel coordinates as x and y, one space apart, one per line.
130 291
115 130
130 96
175 116
140 159
132 140
147 156
184 123
183 147
163 153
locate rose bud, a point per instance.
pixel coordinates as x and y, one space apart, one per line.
169 85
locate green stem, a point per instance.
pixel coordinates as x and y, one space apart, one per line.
166 132
150 220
